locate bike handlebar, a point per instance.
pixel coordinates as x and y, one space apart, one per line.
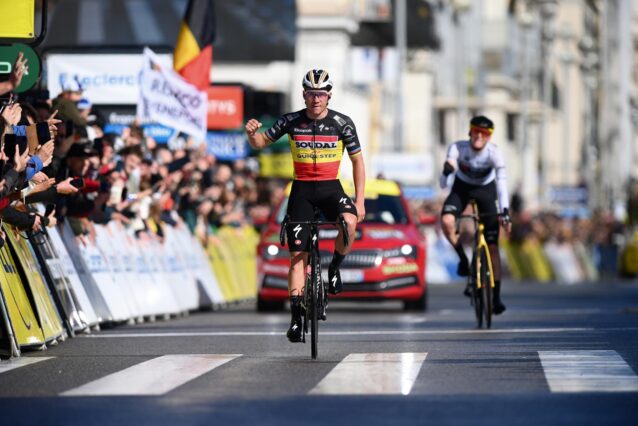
341 221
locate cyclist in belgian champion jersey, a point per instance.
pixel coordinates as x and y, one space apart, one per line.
479 174
317 137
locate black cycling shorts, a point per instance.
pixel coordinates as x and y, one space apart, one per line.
486 201
327 195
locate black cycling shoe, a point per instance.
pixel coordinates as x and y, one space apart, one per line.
498 307
467 292
294 332
335 286
463 269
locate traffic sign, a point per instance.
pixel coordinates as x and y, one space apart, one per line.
8 56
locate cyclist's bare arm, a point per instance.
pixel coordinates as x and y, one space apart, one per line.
255 139
359 177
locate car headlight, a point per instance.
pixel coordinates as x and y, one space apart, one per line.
272 251
405 250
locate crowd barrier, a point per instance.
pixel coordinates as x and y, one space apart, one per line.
528 260
54 284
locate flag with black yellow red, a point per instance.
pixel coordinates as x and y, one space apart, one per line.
193 54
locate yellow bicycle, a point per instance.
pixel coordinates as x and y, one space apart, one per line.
481 277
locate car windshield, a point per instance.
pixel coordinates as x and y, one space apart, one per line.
386 209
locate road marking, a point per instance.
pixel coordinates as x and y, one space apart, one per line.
153 377
372 374
280 333
548 311
587 371
21 362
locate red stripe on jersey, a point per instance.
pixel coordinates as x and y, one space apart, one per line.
318 138
308 171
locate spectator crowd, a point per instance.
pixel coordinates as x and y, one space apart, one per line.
55 152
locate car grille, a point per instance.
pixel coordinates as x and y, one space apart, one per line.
354 259
391 284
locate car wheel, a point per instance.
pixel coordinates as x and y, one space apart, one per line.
269 305
418 305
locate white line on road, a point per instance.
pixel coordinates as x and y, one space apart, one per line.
20 362
548 311
372 374
153 377
587 371
333 333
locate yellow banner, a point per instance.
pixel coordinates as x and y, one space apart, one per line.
276 164
46 311
25 326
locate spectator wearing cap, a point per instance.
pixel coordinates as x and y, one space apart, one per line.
79 206
66 103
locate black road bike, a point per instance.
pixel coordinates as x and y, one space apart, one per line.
315 293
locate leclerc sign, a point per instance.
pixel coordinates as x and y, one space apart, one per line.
225 107
111 79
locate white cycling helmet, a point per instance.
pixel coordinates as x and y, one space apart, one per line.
317 80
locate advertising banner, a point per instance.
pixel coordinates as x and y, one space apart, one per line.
84 306
107 79
165 98
47 313
26 330
94 294
227 146
225 107
53 271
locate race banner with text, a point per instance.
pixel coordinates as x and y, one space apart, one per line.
167 99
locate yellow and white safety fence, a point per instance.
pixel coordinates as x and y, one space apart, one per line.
54 285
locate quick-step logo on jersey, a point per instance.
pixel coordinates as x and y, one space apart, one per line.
316 154
317 146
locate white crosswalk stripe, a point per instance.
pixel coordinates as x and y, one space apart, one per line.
587 371
153 377
567 371
20 362
372 374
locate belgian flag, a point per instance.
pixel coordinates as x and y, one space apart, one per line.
193 54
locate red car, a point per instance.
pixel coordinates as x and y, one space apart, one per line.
387 260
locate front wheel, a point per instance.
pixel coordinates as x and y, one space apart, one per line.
314 307
475 286
486 287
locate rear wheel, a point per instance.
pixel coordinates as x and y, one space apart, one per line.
486 288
